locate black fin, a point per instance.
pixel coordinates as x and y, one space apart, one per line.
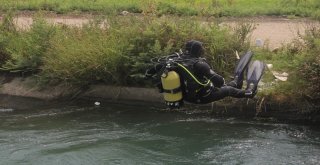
243 63
254 74
240 69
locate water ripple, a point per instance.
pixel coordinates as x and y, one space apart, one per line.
122 135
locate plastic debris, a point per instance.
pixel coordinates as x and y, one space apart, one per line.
280 76
125 13
259 43
237 55
96 103
6 110
269 66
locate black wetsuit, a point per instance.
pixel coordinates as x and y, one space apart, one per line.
193 92
219 90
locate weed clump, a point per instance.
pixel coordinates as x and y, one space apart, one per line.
84 55
23 51
115 53
310 69
300 59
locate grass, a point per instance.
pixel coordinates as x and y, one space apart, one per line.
301 60
25 48
118 54
283 61
216 8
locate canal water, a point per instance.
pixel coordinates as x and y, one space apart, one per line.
82 133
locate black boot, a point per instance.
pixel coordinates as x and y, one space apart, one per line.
251 90
237 82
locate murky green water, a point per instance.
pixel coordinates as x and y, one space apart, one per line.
127 134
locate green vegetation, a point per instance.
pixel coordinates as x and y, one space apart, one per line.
284 61
311 67
301 60
23 51
117 53
216 8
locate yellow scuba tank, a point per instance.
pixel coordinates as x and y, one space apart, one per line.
171 88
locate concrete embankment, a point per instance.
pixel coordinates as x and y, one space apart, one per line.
12 88
28 87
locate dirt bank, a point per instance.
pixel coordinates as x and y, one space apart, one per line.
272 31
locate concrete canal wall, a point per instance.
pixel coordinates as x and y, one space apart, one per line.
258 108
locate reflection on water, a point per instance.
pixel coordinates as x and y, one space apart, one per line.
135 134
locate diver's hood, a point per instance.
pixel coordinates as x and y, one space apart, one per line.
194 48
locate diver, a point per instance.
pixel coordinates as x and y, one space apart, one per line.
186 76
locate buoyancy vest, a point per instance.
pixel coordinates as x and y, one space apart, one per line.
180 81
193 85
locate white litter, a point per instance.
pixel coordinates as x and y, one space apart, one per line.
270 66
280 76
6 110
237 55
125 13
259 43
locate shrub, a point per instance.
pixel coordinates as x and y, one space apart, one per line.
311 72
115 53
26 49
311 68
6 29
165 36
83 56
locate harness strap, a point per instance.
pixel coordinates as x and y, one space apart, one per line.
193 77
